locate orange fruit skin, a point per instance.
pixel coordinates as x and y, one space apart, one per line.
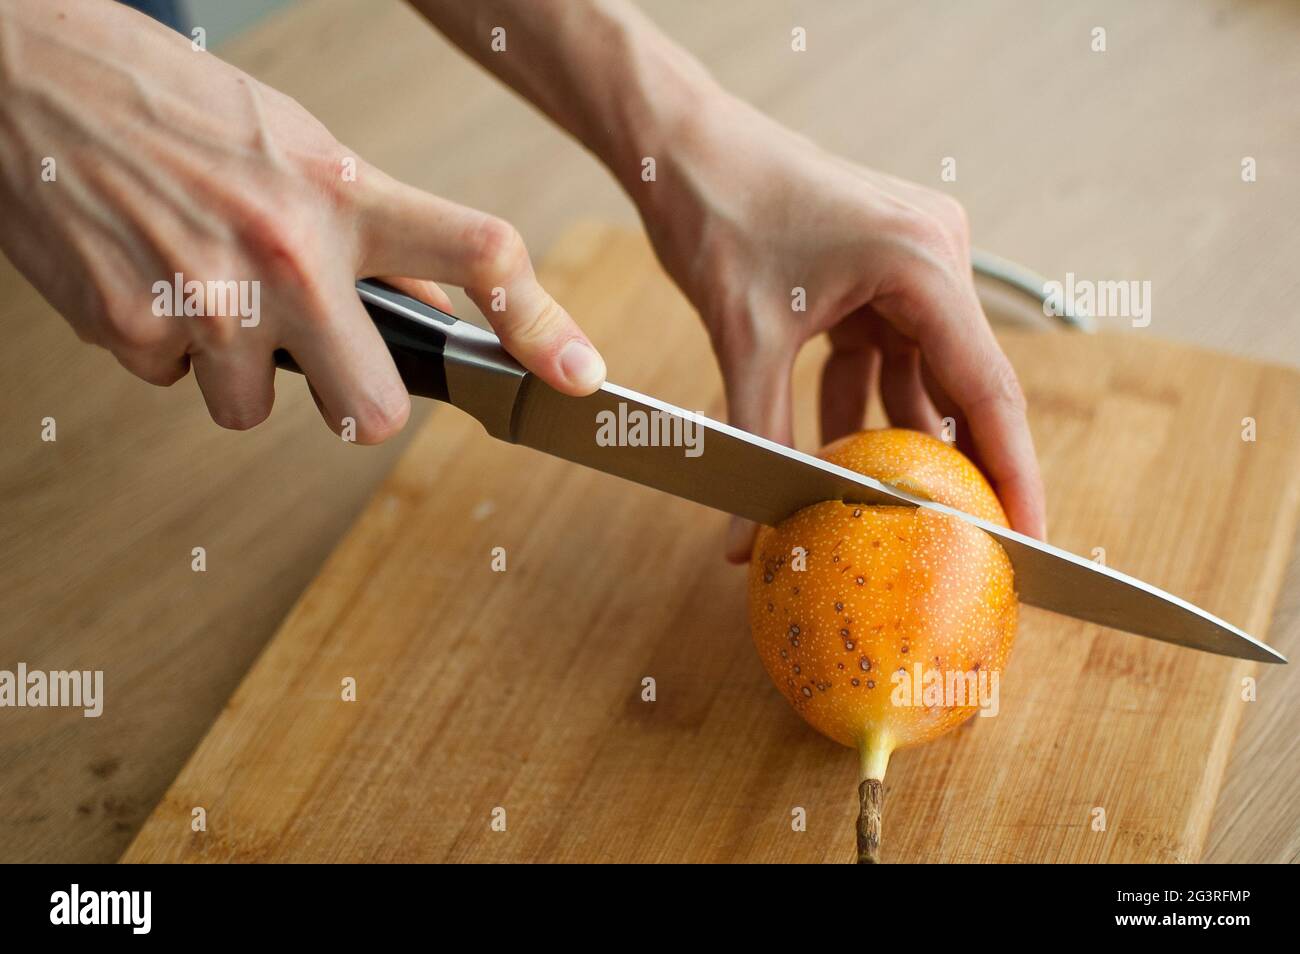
884 589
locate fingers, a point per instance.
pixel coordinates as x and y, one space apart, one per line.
907 403
351 373
759 400
847 378
971 368
151 347
949 414
237 386
409 232
159 368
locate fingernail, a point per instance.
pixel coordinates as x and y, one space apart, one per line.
582 366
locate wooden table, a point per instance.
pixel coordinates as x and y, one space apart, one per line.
416 689
1117 165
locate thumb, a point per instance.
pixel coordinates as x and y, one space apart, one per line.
759 400
408 232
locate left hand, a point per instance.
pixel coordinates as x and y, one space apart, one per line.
745 212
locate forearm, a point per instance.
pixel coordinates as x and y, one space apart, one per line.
598 68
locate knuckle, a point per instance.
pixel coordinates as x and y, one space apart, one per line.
123 324
496 250
953 215
334 173
741 339
136 331
1004 387
275 239
165 377
924 230
940 228
217 331
539 327
382 416
934 261
148 367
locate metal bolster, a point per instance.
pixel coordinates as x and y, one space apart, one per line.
482 379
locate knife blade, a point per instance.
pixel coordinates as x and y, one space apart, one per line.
650 442
766 482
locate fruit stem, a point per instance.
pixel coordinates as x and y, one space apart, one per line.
873 754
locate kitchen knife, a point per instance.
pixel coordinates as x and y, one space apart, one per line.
691 456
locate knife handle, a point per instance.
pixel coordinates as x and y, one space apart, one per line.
441 357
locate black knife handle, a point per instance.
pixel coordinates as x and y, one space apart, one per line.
441 357
416 335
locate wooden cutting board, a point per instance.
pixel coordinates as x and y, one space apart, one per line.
517 695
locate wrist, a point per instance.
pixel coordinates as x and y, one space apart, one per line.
699 158
654 104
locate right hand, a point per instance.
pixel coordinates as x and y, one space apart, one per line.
747 211
167 160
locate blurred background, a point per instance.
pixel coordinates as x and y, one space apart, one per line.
221 19
1117 165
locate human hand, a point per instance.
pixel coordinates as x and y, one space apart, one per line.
744 213
128 157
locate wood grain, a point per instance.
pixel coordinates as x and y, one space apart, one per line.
1060 164
521 690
